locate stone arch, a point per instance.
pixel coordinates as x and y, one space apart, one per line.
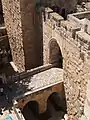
55 55
31 109
41 97
57 101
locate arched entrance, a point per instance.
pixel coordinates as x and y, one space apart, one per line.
56 107
58 102
55 55
31 110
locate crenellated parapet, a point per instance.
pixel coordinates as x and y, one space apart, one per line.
69 29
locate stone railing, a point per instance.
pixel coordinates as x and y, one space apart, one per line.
28 73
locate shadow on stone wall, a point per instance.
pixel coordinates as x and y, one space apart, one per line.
55 55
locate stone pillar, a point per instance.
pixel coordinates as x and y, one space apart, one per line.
23 22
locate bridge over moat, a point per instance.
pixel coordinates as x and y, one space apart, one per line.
36 87
42 85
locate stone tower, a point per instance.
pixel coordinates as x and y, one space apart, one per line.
23 24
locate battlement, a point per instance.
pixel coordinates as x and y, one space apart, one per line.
71 28
53 17
57 22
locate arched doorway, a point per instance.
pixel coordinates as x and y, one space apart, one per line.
31 110
55 55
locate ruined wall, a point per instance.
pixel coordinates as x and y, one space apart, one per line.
75 47
23 28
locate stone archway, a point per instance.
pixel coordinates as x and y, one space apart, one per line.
55 104
57 101
55 55
31 110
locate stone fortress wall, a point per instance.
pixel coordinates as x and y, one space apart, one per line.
23 29
13 26
74 41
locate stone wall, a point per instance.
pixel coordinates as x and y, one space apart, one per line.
75 47
24 29
41 97
13 25
32 33
31 72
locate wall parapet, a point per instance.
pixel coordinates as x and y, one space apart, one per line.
56 21
26 74
82 19
70 27
47 12
84 40
54 17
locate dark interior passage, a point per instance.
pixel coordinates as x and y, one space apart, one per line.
31 111
57 101
55 55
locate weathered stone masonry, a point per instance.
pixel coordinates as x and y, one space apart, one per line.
41 97
13 25
75 47
23 28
